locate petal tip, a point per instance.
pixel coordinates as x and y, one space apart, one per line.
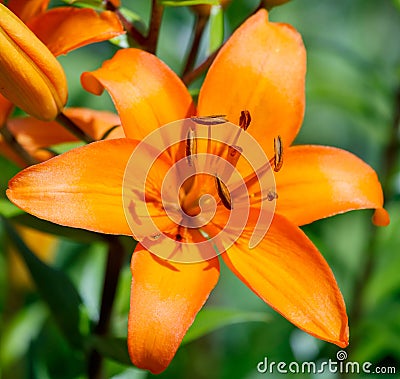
381 217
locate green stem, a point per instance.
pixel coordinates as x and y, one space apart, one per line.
115 260
16 147
68 124
200 24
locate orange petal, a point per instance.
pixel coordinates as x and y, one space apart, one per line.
5 109
27 9
34 134
287 271
81 188
261 68
65 29
146 92
321 181
165 298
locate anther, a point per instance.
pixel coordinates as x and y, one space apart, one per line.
271 195
244 119
191 145
223 193
210 120
278 159
178 237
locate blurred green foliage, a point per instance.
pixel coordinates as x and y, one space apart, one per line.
352 81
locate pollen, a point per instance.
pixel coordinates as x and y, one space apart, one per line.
278 158
244 119
223 193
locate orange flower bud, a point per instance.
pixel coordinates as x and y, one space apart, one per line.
30 75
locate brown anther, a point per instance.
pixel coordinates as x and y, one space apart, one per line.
244 119
210 120
191 145
178 237
278 148
223 193
272 195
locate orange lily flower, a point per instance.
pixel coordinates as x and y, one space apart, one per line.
261 69
34 80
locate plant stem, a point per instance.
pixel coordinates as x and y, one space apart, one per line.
16 147
154 28
68 124
115 260
149 42
192 75
129 27
200 24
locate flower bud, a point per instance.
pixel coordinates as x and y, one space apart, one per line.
30 75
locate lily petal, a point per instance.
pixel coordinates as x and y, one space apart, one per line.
146 92
320 181
27 9
34 134
287 271
81 188
261 68
165 298
64 29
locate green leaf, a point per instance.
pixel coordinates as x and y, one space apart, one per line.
211 319
8 170
20 331
131 373
397 4
186 3
86 3
8 209
216 28
55 288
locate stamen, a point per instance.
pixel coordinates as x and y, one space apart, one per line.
210 120
191 145
272 195
278 159
178 237
223 193
244 119
256 197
